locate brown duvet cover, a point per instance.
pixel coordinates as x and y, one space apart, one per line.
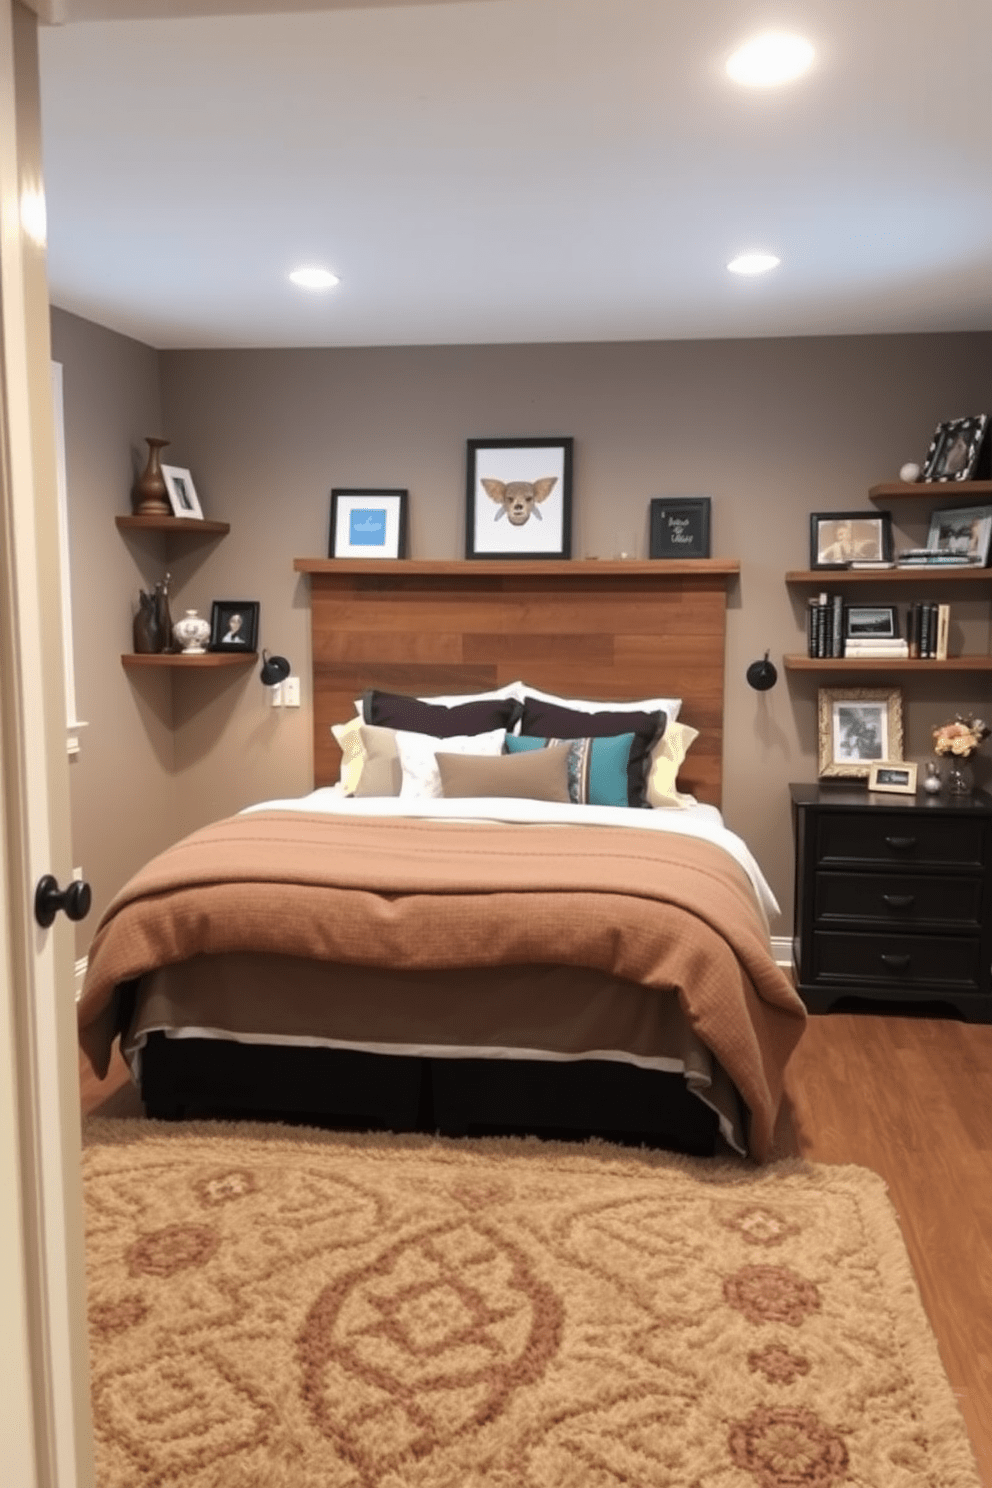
661 910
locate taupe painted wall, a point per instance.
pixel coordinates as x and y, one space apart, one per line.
123 784
770 429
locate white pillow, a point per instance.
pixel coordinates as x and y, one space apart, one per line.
670 706
452 700
421 776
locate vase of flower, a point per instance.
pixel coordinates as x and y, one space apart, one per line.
958 740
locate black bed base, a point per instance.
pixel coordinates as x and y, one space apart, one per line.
190 1077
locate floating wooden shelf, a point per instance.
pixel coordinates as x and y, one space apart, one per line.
801 663
826 578
181 662
660 568
188 526
896 490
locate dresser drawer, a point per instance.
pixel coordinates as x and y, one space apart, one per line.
934 960
898 899
892 838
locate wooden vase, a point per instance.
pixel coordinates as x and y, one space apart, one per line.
151 495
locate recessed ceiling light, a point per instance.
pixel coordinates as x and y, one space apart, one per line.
770 59
753 263
310 278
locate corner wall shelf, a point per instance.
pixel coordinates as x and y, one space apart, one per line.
178 660
188 526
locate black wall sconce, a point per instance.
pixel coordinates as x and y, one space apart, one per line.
761 675
275 669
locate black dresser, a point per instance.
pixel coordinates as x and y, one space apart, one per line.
893 898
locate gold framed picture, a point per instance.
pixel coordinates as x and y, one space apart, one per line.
886 775
858 726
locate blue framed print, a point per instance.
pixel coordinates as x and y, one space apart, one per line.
367 524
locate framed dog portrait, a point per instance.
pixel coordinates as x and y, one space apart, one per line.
234 625
367 524
519 498
858 726
955 449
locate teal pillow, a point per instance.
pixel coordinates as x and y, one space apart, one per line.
597 768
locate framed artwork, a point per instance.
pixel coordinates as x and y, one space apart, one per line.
955 448
182 493
886 776
518 501
871 622
857 727
680 527
367 524
234 625
963 532
838 539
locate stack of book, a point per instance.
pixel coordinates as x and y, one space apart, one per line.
925 558
825 626
926 631
881 647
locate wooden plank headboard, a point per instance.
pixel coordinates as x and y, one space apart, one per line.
583 628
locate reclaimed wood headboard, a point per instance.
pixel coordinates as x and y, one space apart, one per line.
582 628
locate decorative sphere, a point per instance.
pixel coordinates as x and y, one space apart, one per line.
910 471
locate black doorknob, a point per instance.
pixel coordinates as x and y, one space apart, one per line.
75 899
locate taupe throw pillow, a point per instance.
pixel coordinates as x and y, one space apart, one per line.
539 775
382 773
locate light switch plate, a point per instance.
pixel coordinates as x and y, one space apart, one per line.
291 692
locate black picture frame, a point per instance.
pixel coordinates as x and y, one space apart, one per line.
244 636
518 498
386 538
839 538
871 622
679 527
955 450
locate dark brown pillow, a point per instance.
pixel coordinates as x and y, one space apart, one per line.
396 710
552 721
539 775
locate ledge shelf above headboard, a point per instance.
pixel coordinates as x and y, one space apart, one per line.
588 627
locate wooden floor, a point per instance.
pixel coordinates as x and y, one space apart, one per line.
910 1098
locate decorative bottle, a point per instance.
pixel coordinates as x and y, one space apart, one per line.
931 780
151 495
163 616
192 632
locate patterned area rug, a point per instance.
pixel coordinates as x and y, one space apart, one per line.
279 1308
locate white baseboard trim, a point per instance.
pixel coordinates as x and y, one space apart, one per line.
80 973
782 951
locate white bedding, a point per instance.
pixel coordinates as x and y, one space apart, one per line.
692 821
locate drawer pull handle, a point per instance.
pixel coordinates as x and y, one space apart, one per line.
901 844
895 963
899 901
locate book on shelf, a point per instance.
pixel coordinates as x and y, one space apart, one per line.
943 626
925 558
825 626
893 649
872 563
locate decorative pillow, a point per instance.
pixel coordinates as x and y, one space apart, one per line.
669 706
666 758
398 711
553 721
597 768
421 777
538 775
348 736
382 773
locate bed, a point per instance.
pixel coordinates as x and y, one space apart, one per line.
487 956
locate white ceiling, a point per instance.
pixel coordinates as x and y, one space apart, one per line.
516 170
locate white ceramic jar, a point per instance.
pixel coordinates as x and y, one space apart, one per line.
192 632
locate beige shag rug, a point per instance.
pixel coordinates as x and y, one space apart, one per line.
280 1308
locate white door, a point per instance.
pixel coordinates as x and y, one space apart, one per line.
44 1379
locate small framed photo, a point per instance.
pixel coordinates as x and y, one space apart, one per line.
857 727
234 625
182 493
367 524
963 533
838 539
886 776
680 527
871 622
955 449
518 501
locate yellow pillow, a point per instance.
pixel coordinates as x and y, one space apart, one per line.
349 738
666 758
